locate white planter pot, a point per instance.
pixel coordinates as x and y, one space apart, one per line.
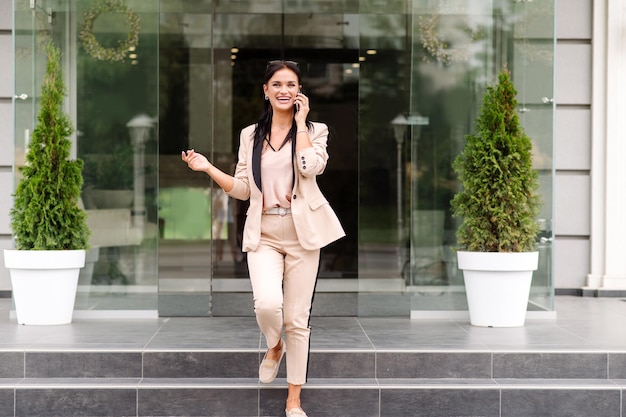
44 284
497 286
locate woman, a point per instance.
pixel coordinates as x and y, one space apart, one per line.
288 220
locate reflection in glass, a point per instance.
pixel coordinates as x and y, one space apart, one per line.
196 74
116 101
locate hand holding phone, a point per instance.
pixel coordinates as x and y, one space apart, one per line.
297 105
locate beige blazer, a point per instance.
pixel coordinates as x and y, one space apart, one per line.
315 221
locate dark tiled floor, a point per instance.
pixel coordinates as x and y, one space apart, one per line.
582 324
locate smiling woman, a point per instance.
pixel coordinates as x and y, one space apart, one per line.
288 222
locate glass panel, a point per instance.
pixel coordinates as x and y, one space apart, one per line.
103 96
384 92
364 63
452 58
115 91
458 47
186 214
211 68
532 68
31 32
399 82
324 46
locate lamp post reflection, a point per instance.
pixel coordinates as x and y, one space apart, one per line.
400 126
139 128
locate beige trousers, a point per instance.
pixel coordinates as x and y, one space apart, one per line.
283 277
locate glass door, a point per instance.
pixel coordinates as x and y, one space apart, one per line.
213 56
399 83
113 69
109 60
186 119
458 48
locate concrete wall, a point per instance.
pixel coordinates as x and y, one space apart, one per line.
573 143
6 132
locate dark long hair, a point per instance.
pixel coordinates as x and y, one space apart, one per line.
264 124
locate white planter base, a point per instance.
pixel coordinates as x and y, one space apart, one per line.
44 284
497 286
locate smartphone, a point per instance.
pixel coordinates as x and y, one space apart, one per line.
297 106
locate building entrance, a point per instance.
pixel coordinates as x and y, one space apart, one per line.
207 273
398 82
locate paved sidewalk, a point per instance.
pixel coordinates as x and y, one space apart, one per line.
582 324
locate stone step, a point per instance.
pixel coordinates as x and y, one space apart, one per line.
360 383
322 397
323 363
358 367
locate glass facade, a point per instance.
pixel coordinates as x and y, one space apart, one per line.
399 82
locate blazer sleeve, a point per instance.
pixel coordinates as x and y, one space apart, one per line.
312 161
241 187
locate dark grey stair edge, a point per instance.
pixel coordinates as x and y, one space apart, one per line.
533 350
351 399
443 349
322 383
549 364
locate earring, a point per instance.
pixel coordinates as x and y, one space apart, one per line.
267 98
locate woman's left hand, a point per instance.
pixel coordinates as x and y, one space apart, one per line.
302 104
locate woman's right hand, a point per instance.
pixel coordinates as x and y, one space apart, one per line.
195 161
199 162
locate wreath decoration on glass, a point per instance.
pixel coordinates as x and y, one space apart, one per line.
88 38
439 49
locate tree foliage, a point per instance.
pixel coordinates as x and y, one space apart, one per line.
499 201
45 213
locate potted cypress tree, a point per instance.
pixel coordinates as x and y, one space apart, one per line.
498 203
49 227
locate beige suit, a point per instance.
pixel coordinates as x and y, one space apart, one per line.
316 223
284 251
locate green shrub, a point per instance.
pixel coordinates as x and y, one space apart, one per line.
498 202
45 213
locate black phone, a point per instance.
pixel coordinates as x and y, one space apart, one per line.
297 106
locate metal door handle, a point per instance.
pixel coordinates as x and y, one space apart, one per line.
22 96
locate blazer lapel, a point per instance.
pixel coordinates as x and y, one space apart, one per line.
293 157
256 163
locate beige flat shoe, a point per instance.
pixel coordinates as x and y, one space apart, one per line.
269 368
295 412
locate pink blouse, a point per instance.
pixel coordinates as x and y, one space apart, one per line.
276 176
